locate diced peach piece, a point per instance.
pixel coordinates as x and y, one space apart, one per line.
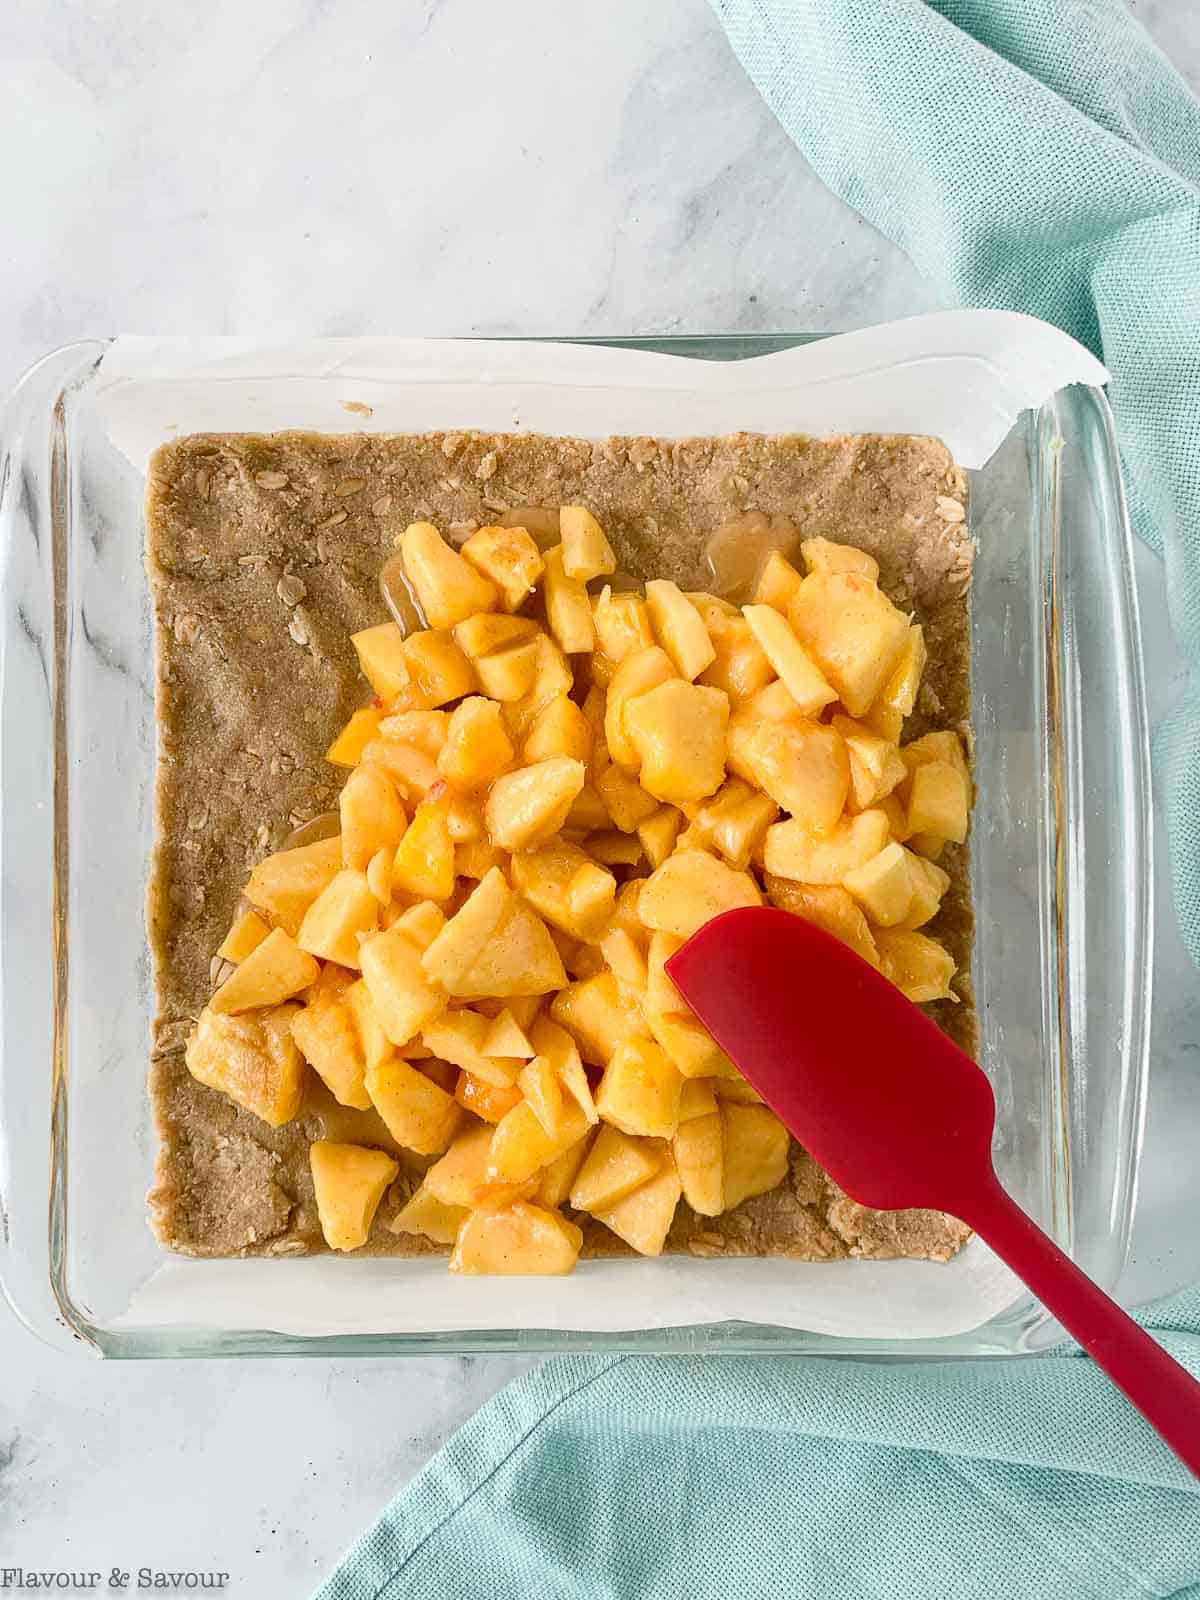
558 1176
852 631
488 631
510 558
246 934
613 848
349 1181
690 888
540 1085
523 1240
485 1099
597 1016
586 553
617 1164
736 820
380 652
528 806
519 958
690 1046
404 998
457 947
886 721
875 764
568 609
272 972
424 727
285 884
425 1215
791 851
506 1037
252 1058
679 628
636 675
625 959
661 993
559 729
883 886
796 669
697 1147
477 747
678 732
777 582
801 764
563 885
372 816
823 555
938 801
509 675
477 858
740 668
899 693
920 967
458 1036
830 907
697 1099
421 924
643 1219
373 1042
755 1150
929 884
438 672
626 803
424 860
337 917
658 832
639 1092
622 624
325 1032
346 750
448 588
559 1048
521 1146
419 1115
456 1177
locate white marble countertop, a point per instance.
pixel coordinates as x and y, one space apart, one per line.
410 166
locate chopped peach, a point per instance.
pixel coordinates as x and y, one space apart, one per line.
643 1219
328 1040
792 851
509 558
528 806
678 732
346 750
690 888
380 652
429 1217
448 588
678 628
246 934
419 1115
372 816
568 609
852 631
823 555
252 1058
586 553
349 1182
523 1239
284 885
404 998
273 972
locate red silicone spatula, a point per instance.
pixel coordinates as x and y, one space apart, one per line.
901 1117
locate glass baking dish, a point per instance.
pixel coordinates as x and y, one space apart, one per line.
1061 876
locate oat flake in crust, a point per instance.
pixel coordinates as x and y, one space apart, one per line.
263 554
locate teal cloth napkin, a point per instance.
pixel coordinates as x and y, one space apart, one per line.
1038 155
738 1477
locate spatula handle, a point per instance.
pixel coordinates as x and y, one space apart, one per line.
1163 1391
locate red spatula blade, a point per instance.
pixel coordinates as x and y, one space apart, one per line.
876 1092
901 1117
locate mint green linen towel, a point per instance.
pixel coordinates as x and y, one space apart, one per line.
1038 155
744 1478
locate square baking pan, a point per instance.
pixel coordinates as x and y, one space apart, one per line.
1061 881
